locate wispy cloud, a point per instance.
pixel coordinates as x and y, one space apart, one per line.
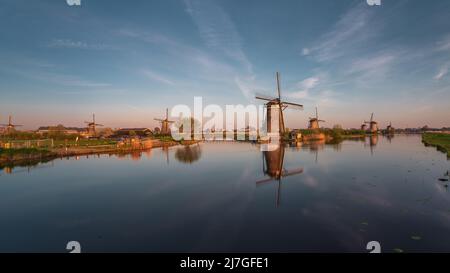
442 72
371 67
444 44
59 78
157 77
190 60
68 80
306 51
217 30
309 83
68 43
304 86
353 29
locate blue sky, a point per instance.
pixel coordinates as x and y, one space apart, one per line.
129 60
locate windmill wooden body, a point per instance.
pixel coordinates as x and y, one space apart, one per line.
165 124
314 122
275 107
273 167
373 125
10 127
92 127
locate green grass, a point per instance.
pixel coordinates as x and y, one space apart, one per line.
163 138
441 141
22 151
83 142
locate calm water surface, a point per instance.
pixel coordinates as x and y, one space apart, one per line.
233 197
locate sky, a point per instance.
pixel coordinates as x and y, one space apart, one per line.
127 61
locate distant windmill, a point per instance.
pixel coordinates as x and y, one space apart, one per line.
91 129
390 129
273 167
373 125
165 129
314 122
275 108
363 126
10 127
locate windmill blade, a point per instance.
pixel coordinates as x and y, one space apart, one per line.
265 97
264 181
99 125
264 163
170 121
317 114
278 86
281 125
320 120
158 119
293 105
292 172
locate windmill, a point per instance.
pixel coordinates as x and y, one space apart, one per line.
91 131
10 127
165 130
275 108
390 129
314 122
273 167
373 128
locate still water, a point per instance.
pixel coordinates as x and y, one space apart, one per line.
225 197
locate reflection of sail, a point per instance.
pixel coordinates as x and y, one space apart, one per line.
188 154
273 167
166 151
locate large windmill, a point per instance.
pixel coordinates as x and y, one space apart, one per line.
373 125
273 167
275 108
165 129
314 122
10 127
91 127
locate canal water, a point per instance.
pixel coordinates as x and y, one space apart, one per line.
226 197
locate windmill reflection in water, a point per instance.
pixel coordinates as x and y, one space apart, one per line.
273 166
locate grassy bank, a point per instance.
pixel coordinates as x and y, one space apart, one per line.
31 156
24 156
335 133
438 140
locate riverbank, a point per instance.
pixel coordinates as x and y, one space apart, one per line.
32 156
439 140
